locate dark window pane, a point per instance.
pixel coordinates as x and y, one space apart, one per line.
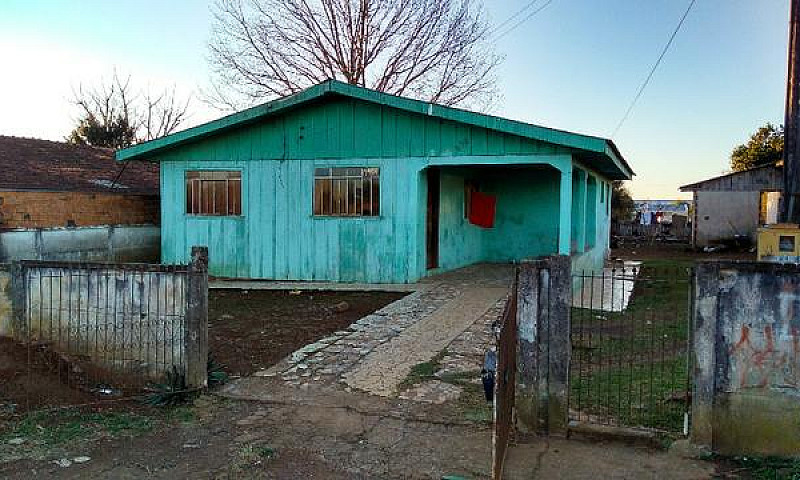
234 197
376 198
214 192
351 198
346 191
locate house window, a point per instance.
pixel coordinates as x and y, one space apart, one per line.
214 192
786 243
347 192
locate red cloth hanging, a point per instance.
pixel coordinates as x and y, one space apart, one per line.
482 209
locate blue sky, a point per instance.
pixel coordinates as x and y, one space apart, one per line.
576 66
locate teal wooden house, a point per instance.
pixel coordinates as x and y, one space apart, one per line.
345 184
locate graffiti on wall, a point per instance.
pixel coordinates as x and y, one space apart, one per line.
763 333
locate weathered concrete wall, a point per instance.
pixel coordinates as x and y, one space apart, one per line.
543 348
124 320
121 243
747 349
723 215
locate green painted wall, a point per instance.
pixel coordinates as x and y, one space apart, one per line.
460 242
526 225
277 237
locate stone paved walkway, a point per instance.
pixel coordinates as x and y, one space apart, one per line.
385 367
453 311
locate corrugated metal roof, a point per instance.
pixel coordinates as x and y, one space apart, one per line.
758 178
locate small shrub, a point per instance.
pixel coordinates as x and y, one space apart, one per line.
216 372
174 391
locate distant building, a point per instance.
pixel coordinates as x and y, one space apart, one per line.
45 184
60 201
735 205
660 211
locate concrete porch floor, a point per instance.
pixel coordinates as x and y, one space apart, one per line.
452 311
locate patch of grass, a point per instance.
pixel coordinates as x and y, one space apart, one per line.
767 468
66 426
251 455
472 402
644 395
422 372
181 414
631 367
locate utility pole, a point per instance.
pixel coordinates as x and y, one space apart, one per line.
790 208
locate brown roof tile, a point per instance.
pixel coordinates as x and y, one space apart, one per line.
32 164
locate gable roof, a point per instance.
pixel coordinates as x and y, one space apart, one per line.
44 165
589 148
757 178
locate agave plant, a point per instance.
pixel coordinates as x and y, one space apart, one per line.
173 391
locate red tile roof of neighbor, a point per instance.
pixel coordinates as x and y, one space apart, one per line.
32 164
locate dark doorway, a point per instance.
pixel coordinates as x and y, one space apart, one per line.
432 219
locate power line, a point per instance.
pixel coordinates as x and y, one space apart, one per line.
505 22
528 17
653 70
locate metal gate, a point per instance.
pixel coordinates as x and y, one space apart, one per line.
630 362
505 381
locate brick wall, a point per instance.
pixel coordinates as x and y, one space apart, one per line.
61 209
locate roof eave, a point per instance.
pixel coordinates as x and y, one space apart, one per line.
153 147
571 140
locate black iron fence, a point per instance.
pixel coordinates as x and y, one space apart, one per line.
84 333
630 356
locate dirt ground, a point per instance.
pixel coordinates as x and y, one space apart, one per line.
276 431
260 428
29 381
249 330
253 329
674 251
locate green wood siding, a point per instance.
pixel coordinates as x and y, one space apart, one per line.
348 128
277 237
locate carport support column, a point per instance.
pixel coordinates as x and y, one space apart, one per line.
565 211
543 348
196 334
579 187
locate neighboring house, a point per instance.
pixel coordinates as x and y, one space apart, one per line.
342 183
735 205
62 201
53 184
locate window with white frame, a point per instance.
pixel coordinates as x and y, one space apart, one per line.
347 191
214 192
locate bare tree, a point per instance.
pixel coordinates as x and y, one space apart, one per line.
434 50
114 114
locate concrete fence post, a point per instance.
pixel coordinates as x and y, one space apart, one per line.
19 325
559 304
196 334
527 389
544 348
704 343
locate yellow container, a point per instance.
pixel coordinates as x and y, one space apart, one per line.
779 243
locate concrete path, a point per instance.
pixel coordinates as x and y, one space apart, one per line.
376 353
385 367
